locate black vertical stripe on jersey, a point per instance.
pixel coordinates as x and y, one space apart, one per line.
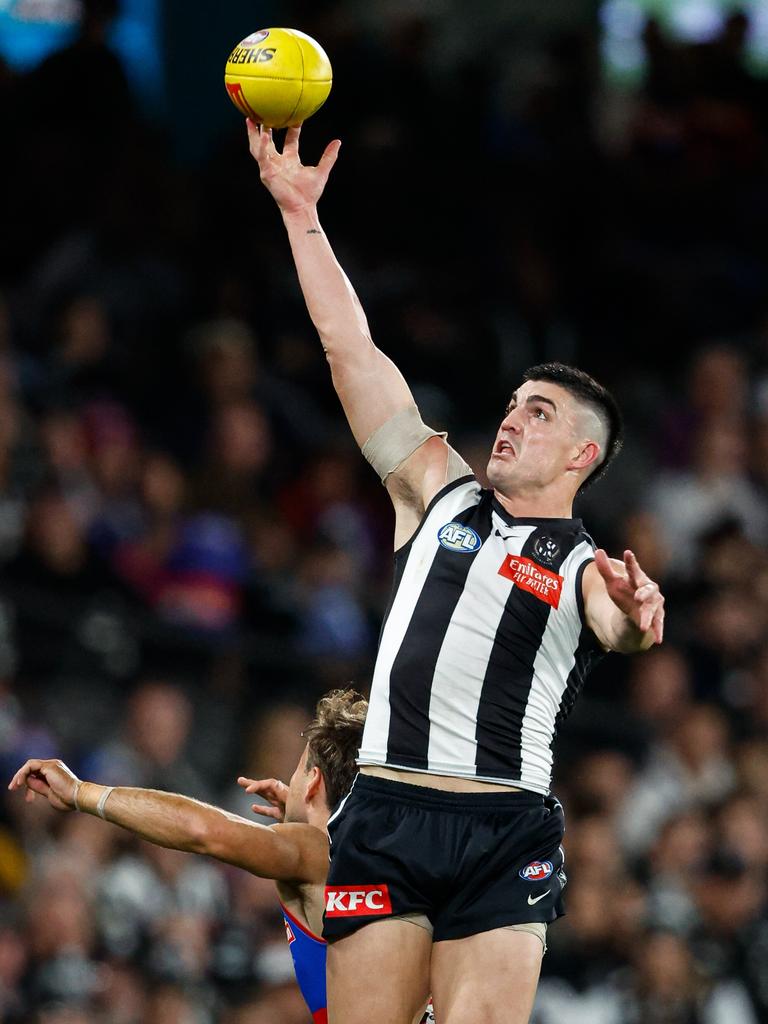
401 557
402 553
410 680
588 652
509 673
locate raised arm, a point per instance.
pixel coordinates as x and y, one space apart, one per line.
369 385
290 853
623 607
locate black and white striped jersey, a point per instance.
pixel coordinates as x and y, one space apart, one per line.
484 648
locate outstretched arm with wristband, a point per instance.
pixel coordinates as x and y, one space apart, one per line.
292 852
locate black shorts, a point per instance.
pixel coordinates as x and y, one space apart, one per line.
470 862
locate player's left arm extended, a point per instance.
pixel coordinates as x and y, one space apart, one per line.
289 853
622 606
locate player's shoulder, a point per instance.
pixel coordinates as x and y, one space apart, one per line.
310 847
302 833
426 474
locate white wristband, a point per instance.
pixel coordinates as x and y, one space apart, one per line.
102 802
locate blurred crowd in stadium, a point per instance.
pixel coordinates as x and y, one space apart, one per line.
192 550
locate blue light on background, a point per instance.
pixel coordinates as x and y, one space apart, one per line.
32 29
693 21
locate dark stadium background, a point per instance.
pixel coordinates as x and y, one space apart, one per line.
192 549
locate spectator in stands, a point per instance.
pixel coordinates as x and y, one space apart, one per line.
152 749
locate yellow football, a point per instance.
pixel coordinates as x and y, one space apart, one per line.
278 77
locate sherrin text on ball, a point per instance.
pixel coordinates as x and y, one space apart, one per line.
278 77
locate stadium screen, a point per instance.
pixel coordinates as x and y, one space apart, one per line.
31 29
694 21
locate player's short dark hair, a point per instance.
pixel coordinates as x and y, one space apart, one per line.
334 736
587 390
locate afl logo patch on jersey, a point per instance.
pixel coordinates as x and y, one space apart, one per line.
460 538
537 871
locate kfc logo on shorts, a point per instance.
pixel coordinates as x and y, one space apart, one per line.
289 933
537 871
526 574
357 900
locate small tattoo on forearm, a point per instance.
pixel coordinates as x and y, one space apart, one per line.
314 231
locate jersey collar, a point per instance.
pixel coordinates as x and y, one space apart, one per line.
510 520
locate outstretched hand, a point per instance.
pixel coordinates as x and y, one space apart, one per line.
633 593
273 790
50 779
293 186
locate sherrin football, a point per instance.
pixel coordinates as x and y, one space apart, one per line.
278 77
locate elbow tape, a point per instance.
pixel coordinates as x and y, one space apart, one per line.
397 439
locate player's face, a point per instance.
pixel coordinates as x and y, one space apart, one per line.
537 439
295 805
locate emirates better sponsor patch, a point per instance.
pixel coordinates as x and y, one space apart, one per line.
528 575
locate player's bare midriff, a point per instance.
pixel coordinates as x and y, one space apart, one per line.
449 783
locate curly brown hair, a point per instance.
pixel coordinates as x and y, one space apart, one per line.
333 737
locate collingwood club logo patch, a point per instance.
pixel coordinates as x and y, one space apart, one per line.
546 550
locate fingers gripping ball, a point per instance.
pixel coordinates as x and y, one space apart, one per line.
278 77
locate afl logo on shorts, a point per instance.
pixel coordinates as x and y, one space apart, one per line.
460 538
537 871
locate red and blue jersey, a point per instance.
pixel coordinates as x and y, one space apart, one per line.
308 952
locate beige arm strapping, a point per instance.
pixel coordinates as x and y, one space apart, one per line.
398 438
